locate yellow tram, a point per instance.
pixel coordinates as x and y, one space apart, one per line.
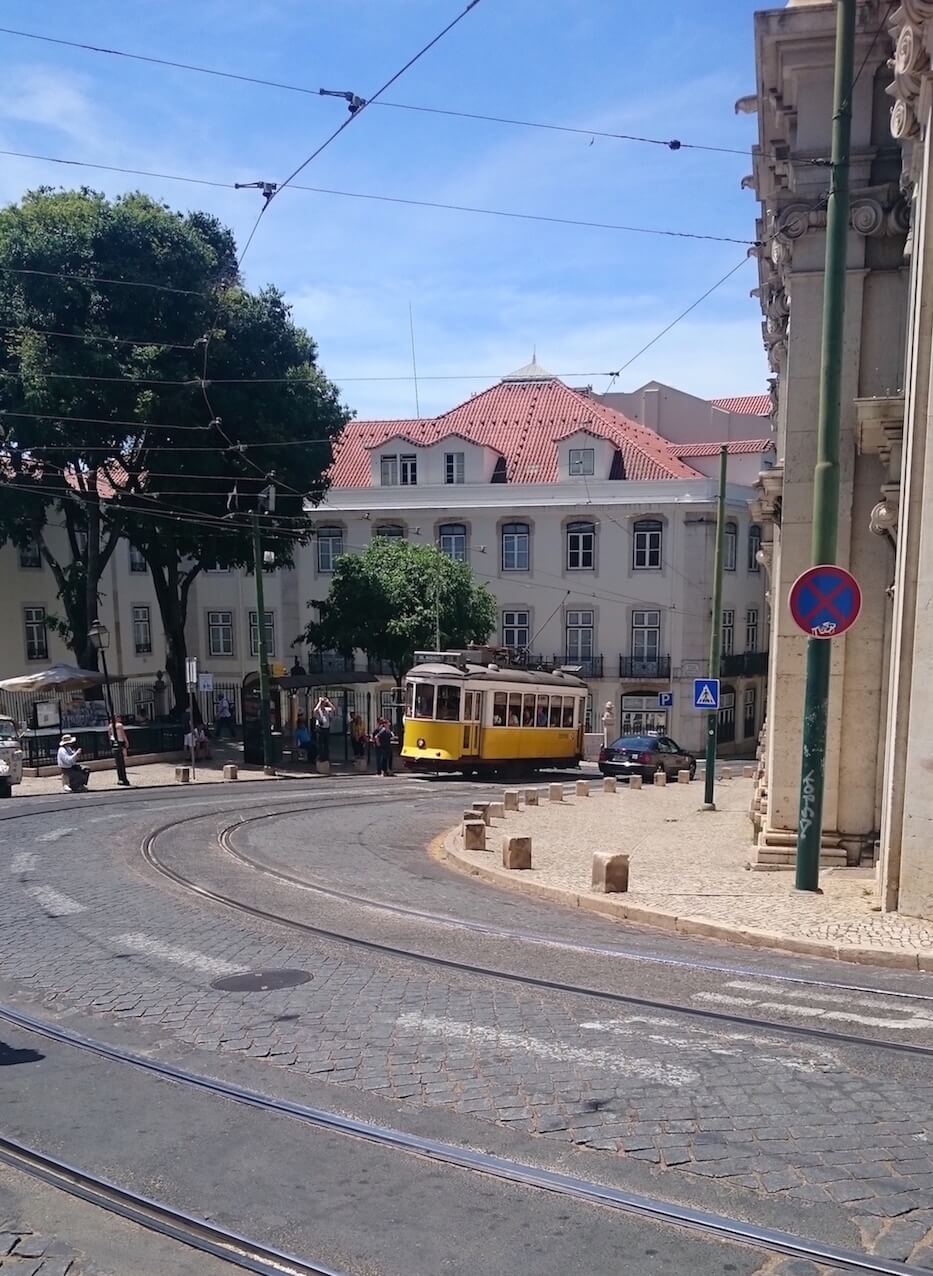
476 718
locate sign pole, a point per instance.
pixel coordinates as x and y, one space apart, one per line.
715 640
191 677
265 724
826 472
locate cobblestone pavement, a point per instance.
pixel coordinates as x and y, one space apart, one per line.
757 1111
688 863
22 1253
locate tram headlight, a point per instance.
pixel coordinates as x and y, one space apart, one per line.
420 742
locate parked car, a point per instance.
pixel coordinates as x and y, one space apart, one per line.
11 757
645 755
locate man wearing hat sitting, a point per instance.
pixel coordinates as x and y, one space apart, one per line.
74 776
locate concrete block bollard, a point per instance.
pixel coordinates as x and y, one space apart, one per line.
496 810
634 781
609 784
510 799
683 777
748 772
660 777
516 852
474 835
322 768
610 872
555 792
531 797
230 771
481 811
726 773
183 775
582 788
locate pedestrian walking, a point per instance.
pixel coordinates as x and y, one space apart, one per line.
324 712
382 739
120 745
224 717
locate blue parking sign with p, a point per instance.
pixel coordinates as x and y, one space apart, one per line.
706 693
665 699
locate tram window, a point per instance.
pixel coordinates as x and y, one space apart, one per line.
477 706
528 711
554 716
448 703
515 709
410 700
468 706
499 706
581 712
567 711
541 712
424 700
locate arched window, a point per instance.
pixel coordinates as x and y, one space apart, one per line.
646 544
729 546
329 547
451 540
754 545
392 530
581 546
516 546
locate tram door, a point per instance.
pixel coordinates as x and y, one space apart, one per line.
472 722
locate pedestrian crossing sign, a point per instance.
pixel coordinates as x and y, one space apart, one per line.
706 693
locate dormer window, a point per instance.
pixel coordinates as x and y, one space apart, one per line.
453 467
399 469
582 462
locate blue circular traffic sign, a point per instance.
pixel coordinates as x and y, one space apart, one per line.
825 601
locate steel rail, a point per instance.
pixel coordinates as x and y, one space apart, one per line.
516 1172
156 1216
530 981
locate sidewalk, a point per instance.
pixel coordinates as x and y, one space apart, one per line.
688 872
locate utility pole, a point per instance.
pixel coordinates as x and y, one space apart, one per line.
826 471
715 638
265 724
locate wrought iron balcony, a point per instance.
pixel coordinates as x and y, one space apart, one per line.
589 666
747 663
329 662
656 669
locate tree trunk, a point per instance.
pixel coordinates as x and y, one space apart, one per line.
172 590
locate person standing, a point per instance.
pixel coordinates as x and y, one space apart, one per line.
382 739
120 744
224 716
357 736
324 712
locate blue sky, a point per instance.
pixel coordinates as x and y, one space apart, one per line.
484 291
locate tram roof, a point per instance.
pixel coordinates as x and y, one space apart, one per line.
492 673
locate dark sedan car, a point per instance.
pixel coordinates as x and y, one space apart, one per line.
645 755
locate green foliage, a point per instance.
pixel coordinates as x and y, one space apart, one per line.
161 492
385 601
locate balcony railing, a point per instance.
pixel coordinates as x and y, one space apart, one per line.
748 663
589 666
329 662
657 669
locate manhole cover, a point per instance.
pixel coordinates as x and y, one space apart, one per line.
260 980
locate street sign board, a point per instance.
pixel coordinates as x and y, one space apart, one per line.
191 672
706 693
825 601
665 699
205 682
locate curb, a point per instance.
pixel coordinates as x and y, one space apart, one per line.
446 848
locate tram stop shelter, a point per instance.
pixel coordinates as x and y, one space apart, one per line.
292 694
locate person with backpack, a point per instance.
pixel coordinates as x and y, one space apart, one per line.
382 739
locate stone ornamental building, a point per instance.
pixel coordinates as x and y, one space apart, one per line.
879 799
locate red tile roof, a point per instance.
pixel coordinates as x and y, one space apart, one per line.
523 421
745 404
735 447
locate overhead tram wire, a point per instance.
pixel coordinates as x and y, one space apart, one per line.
671 144
475 210
98 279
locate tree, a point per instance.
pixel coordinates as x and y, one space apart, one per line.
193 392
389 599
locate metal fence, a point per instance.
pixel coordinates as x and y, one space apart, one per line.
41 749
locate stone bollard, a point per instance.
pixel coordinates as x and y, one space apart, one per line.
748 772
725 773
683 777
634 781
516 852
582 788
510 799
660 777
496 810
481 811
230 771
182 774
555 792
322 768
610 872
531 797
474 835
609 784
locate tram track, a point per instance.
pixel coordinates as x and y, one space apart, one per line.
256 1256
732 1019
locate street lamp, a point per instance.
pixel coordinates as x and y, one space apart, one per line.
99 636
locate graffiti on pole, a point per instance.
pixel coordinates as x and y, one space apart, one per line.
807 803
